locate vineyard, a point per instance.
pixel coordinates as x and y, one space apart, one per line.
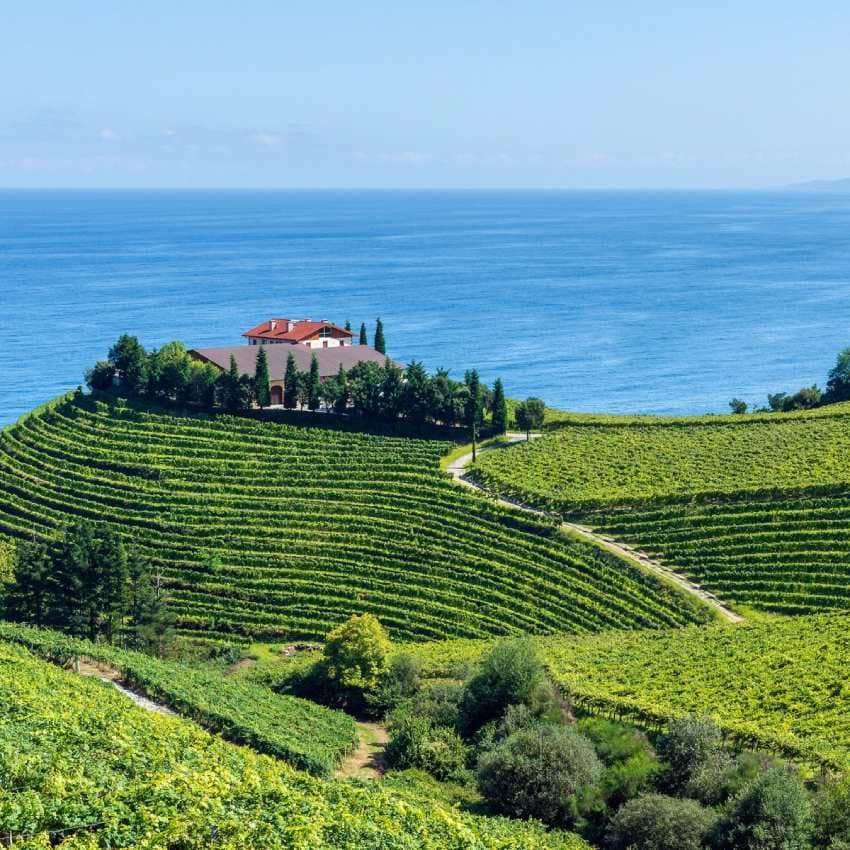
782 684
789 554
584 466
82 768
304 734
265 530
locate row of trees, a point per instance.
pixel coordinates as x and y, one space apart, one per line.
373 391
89 585
380 344
837 390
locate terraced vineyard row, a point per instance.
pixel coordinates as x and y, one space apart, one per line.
789 555
302 733
583 466
783 683
271 530
82 768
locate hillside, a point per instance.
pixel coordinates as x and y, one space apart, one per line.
754 509
780 684
82 768
268 530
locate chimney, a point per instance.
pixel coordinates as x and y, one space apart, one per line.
273 324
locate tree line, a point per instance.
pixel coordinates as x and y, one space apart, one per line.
90 585
369 390
806 398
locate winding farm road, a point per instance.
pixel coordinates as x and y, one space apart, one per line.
458 470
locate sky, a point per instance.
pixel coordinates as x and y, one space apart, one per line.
562 94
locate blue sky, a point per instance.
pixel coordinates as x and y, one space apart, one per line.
437 94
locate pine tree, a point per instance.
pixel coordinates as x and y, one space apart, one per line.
364 340
380 342
32 592
108 596
500 408
348 325
314 385
262 390
74 569
343 395
290 383
150 623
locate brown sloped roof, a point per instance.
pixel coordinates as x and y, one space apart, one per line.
329 359
302 329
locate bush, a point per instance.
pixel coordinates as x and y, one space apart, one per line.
356 653
416 743
401 681
832 814
439 702
686 747
772 813
655 822
539 772
510 674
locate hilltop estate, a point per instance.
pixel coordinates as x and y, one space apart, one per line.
321 334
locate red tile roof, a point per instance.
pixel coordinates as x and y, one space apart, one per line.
301 329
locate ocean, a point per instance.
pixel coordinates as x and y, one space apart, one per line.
656 302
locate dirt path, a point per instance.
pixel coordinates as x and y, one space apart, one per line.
458 471
110 675
366 762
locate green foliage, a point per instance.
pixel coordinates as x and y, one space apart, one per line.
262 389
687 745
838 382
290 383
539 772
380 342
77 754
401 681
510 674
530 414
417 743
301 733
234 389
499 408
772 813
584 466
311 525
364 340
655 822
738 407
356 653
130 360
313 385
779 685
101 375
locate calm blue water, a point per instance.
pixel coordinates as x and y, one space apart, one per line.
654 302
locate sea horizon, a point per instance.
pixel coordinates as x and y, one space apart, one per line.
666 301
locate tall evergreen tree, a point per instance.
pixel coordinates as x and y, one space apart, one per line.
500 408
348 325
32 592
290 383
131 363
149 623
343 395
73 570
364 340
107 597
262 389
380 342
473 408
314 385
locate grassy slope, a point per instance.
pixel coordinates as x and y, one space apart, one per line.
276 531
754 508
781 683
304 734
78 760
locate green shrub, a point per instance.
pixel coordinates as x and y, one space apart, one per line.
439 702
356 655
539 772
510 674
400 682
832 814
656 822
687 745
416 743
772 813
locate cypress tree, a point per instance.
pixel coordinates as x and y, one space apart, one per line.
364 340
314 385
290 383
348 325
380 342
472 408
341 403
500 408
32 592
262 390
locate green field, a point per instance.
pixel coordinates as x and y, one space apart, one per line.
274 531
82 768
302 733
780 684
583 466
